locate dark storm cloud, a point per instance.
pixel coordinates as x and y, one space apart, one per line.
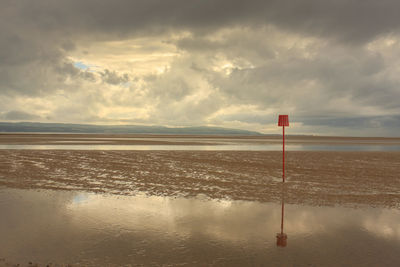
18 115
68 70
354 122
112 77
342 19
23 56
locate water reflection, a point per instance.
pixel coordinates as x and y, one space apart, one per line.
281 238
101 230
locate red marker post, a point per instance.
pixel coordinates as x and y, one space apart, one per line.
283 121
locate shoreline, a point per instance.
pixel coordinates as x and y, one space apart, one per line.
153 139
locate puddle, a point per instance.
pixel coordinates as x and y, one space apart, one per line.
100 229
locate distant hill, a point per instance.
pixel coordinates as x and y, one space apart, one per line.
117 129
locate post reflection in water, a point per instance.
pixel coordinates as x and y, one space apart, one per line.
281 238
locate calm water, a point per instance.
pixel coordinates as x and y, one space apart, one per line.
238 147
94 229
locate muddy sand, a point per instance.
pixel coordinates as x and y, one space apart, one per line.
313 178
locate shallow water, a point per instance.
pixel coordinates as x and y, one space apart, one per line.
97 229
218 147
219 143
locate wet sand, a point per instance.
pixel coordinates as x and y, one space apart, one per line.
313 178
196 207
149 139
57 228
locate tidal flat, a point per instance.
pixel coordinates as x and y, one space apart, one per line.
82 207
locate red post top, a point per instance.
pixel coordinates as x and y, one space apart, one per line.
283 120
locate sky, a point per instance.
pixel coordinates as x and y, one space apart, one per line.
333 66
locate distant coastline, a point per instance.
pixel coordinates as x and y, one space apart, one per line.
36 127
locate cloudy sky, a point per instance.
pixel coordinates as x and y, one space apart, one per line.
333 66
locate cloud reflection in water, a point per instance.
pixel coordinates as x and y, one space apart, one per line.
69 227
